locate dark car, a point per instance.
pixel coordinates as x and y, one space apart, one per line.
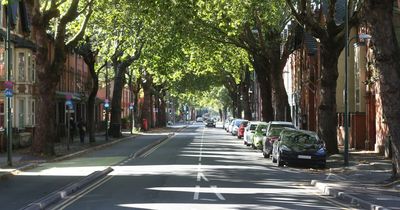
242 126
210 123
271 137
299 146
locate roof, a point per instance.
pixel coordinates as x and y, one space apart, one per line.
281 122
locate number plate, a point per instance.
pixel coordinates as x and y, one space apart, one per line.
304 157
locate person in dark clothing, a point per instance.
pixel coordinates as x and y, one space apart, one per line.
82 130
71 129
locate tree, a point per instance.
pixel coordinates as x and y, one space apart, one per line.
332 37
85 49
53 16
379 16
121 25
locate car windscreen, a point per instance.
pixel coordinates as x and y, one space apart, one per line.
275 131
301 139
260 127
282 126
237 122
253 126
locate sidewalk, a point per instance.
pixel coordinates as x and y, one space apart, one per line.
364 183
23 160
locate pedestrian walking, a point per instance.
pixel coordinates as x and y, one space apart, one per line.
71 129
82 130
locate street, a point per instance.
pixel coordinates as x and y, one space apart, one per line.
28 186
201 168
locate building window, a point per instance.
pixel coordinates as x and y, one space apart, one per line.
31 115
21 113
31 67
21 66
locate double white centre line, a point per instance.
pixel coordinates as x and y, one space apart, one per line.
201 176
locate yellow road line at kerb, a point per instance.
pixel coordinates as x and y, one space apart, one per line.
79 195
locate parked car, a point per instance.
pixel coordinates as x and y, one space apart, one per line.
231 124
249 132
270 138
199 119
210 123
299 146
242 126
259 135
235 126
226 124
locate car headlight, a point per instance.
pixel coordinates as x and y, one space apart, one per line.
284 148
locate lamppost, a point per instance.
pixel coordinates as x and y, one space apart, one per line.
8 84
346 90
106 104
131 106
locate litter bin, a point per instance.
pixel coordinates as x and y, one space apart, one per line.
144 124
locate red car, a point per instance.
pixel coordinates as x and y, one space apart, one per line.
242 126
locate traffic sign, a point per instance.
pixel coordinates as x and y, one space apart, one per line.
8 84
8 93
68 97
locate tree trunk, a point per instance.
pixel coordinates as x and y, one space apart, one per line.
238 102
281 103
48 76
386 59
115 124
147 106
45 130
245 85
90 59
157 106
91 124
327 120
264 81
162 114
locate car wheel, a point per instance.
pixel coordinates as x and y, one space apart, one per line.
253 146
279 162
322 165
266 155
273 159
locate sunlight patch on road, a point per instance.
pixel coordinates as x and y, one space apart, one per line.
64 171
240 191
177 170
193 206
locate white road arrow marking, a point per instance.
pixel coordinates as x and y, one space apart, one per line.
219 195
200 176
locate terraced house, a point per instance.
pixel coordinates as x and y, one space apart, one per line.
74 81
367 124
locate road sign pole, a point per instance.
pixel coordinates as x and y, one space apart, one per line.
9 123
68 125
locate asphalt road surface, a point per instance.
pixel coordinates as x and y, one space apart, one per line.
202 168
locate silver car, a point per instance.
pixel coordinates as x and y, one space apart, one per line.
249 132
